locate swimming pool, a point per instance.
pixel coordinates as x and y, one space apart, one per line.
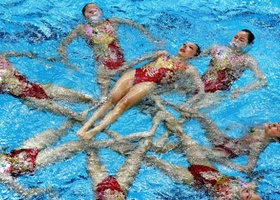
40 27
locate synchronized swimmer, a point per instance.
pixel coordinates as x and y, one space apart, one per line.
162 70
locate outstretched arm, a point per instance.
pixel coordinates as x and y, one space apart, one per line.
207 51
248 168
10 182
213 132
54 107
134 24
29 54
176 172
48 137
154 55
78 31
194 74
258 73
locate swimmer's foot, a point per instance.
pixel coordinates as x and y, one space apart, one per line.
79 117
86 135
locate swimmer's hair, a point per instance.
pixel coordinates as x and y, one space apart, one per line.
85 6
198 51
251 36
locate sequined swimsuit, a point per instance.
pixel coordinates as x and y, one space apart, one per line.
232 147
162 70
210 179
16 84
227 68
109 183
105 37
18 162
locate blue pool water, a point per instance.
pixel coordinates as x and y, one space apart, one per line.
27 25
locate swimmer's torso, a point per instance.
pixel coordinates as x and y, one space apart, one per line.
162 70
104 41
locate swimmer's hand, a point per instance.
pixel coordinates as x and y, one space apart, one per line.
53 59
72 66
160 43
32 54
62 60
236 93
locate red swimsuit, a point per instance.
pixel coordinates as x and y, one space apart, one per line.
105 36
18 83
109 183
30 89
162 70
215 183
21 161
227 69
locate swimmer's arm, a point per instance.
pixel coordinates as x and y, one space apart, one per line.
162 145
248 168
207 51
78 31
194 74
10 182
176 172
134 24
258 73
20 54
252 162
131 64
213 132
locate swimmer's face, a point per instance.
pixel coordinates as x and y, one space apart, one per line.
240 40
187 50
92 12
249 194
113 195
272 129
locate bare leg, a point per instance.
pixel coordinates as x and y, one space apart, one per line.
48 137
176 172
161 145
96 170
66 94
104 83
194 153
135 94
119 90
128 172
65 151
53 107
11 183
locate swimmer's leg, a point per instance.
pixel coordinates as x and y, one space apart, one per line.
133 96
176 172
67 95
128 172
65 151
48 137
96 170
53 107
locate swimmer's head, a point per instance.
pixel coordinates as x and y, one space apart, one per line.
189 50
92 13
198 51
251 36
236 189
242 39
272 129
